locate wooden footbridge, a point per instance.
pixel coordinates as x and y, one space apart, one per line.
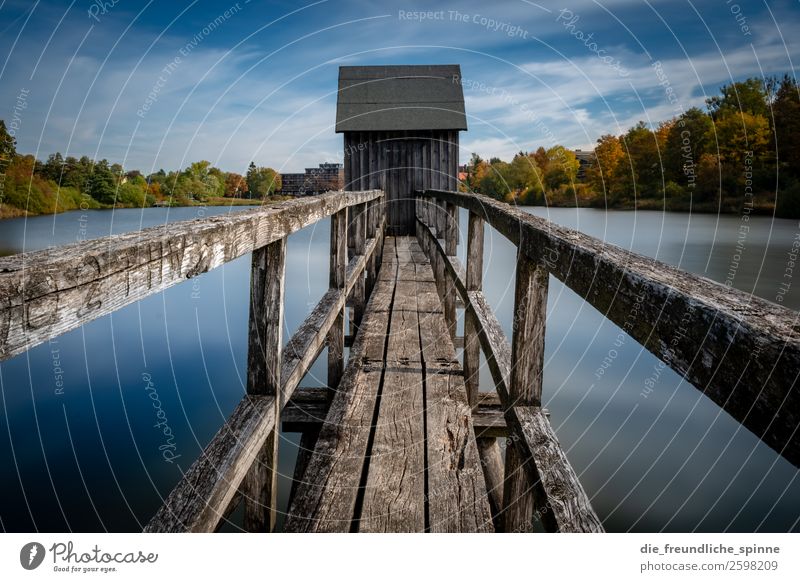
401 439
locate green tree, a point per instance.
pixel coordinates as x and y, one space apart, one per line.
643 177
689 138
8 145
262 182
561 167
749 96
786 112
101 184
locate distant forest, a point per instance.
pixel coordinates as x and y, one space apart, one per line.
29 186
743 152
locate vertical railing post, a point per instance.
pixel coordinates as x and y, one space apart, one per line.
488 447
358 223
372 229
260 485
449 218
474 282
337 272
525 386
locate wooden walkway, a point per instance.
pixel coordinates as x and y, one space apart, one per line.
397 451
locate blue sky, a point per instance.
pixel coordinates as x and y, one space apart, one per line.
260 84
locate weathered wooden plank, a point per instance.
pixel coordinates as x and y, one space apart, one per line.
46 293
474 282
457 495
326 500
564 505
527 354
527 347
267 286
741 351
493 470
309 407
203 495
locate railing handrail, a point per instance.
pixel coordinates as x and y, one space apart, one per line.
741 351
46 293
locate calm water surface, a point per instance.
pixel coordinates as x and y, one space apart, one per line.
81 450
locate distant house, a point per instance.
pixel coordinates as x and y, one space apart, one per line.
313 180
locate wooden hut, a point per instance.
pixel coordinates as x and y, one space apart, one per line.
400 126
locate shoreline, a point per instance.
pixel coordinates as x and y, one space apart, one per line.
8 212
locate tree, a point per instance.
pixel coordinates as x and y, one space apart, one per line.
749 96
689 138
786 112
742 133
235 185
608 158
561 166
262 182
643 176
8 144
101 184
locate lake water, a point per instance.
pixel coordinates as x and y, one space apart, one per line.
87 456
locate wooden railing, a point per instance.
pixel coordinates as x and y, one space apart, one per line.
740 351
46 293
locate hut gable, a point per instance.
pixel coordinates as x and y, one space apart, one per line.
400 97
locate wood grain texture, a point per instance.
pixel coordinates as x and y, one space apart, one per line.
46 293
474 282
741 351
267 286
203 495
336 275
457 494
564 505
326 500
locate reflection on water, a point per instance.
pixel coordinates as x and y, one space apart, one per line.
84 447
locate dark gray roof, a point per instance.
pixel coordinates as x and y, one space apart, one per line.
400 97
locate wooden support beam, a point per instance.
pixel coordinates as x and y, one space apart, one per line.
474 282
493 470
358 297
527 355
337 273
267 286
